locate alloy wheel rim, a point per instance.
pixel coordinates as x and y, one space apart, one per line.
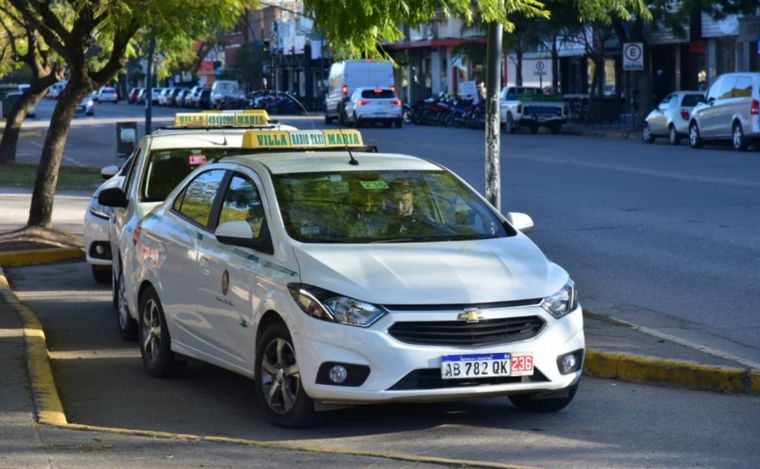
151 331
673 134
693 134
646 132
280 376
737 137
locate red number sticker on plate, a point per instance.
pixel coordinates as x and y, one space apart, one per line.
522 365
197 160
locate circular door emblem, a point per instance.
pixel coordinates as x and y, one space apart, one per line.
225 282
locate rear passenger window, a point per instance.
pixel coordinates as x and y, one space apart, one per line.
197 199
743 87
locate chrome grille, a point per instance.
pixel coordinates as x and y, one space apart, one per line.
461 333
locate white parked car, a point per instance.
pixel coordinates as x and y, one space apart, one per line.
161 161
225 91
107 94
530 108
370 105
330 277
671 117
96 218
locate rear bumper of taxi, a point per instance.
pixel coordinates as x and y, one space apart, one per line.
400 371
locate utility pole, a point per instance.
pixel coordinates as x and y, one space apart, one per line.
149 87
493 124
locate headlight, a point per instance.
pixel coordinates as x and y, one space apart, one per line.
329 306
562 302
90 103
99 210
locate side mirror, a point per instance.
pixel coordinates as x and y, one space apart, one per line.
113 197
521 221
238 233
109 171
710 100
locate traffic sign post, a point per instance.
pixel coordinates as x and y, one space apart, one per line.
633 61
539 70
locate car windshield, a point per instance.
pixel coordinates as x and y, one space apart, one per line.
378 94
692 99
383 207
167 168
107 90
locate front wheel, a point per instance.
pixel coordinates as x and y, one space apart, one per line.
695 140
673 136
738 140
533 402
646 134
127 325
278 387
155 342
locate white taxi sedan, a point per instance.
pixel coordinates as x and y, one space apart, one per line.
339 277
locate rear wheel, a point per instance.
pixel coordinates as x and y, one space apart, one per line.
646 134
534 403
155 342
695 139
738 140
510 125
278 387
673 136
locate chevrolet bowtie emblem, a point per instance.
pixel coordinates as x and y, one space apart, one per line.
471 316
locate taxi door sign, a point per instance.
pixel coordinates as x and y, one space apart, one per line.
248 118
303 139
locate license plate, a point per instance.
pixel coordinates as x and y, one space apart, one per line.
486 365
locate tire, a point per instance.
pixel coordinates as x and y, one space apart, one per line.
526 402
101 275
124 321
328 119
695 139
646 134
155 342
738 140
407 117
399 123
278 388
510 125
673 136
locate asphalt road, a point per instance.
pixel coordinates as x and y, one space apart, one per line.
101 382
665 237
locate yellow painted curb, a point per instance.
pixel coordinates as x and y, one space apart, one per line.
39 256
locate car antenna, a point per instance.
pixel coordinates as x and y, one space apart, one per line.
303 108
353 161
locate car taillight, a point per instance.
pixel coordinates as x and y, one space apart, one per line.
393 88
685 114
344 90
136 234
755 109
396 102
362 102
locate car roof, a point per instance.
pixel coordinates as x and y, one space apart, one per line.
332 160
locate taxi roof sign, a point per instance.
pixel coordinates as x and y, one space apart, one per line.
303 139
247 118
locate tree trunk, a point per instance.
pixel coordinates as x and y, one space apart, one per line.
41 210
493 125
18 112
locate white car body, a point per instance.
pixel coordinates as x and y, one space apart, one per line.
368 105
224 89
515 113
215 295
107 94
346 76
125 220
671 117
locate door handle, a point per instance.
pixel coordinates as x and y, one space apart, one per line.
203 266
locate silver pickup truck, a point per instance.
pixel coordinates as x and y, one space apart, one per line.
530 107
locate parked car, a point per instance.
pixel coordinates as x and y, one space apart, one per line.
346 76
155 94
204 99
370 105
530 107
55 89
179 100
171 100
196 96
107 94
87 106
190 96
164 95
132 96
367 280
730 112
224 91
671 117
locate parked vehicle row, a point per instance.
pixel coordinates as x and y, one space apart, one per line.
730 111
336 252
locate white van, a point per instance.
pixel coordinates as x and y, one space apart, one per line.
224 89
346 76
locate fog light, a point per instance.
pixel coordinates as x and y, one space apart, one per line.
338 374
570 362
100 249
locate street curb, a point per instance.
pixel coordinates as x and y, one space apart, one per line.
39 256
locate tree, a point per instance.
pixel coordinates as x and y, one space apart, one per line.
93 37
45 68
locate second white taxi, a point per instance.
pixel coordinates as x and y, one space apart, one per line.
330 274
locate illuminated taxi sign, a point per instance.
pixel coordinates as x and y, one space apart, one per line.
303 139
248 118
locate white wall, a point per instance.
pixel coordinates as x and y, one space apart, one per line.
528 72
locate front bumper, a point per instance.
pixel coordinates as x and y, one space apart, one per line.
395 366
96 234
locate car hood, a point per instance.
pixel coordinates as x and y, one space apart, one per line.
461 272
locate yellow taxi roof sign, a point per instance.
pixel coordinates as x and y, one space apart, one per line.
302 139
247 118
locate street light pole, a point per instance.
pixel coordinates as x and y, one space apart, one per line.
493 124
